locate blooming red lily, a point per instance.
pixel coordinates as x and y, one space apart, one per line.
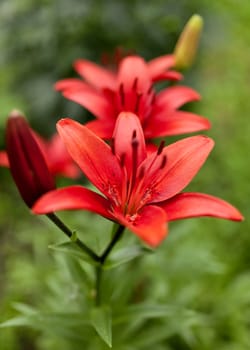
140 191
27 164
57 158
106 94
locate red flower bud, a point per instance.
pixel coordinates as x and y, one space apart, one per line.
27 163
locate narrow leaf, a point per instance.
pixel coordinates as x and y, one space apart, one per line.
72 249
102 322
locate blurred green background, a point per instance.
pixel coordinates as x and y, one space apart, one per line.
201 272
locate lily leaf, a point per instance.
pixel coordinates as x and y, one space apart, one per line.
16 322
102 322
124 255
72 249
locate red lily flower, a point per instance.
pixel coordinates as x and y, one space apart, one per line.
140 191
57 157
106 94
27 164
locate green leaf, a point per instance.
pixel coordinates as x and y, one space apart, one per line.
101 320
74 250
16 322
124 255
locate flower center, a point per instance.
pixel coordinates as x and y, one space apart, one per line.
135 100
139 179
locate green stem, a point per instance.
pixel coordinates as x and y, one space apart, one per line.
111 245
70 233
98 284
102 259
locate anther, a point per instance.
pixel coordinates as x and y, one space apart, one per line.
163 162
135 82
122 159
137 102
112 145
141 173
153 99
122 95
150 89
160 148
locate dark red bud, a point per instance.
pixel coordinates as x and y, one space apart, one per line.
28 166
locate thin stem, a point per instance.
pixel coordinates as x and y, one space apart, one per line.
115 239
102 259
55 219
98 284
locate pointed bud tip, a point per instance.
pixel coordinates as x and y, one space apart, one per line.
187 44
15 113
196 22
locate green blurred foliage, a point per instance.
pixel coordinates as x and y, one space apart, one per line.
193 292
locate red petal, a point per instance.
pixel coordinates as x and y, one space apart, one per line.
103 129
175 96
188 205
159 65
183 160
92 155
150 225
176 123
92 100
95 75
27 163
72 198
59 160
169 75
130 69
4 161
69 84
127 125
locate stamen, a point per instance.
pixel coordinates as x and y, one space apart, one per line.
141 173
153 99
160 148
134 144
122 94
122 159
112 145
134 135
134 86
163 162
150 89
137 102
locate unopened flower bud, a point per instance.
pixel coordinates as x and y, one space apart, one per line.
187 44
28 166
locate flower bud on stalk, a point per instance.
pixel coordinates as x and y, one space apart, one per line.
28 166
187 44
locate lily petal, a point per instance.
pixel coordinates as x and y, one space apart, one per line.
72 198
128 130
183 159
102 129
134 69
169 75
150 225
188 205
28 166
95 75
92 100
176 96
70 83
176 123
160 64
93 156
